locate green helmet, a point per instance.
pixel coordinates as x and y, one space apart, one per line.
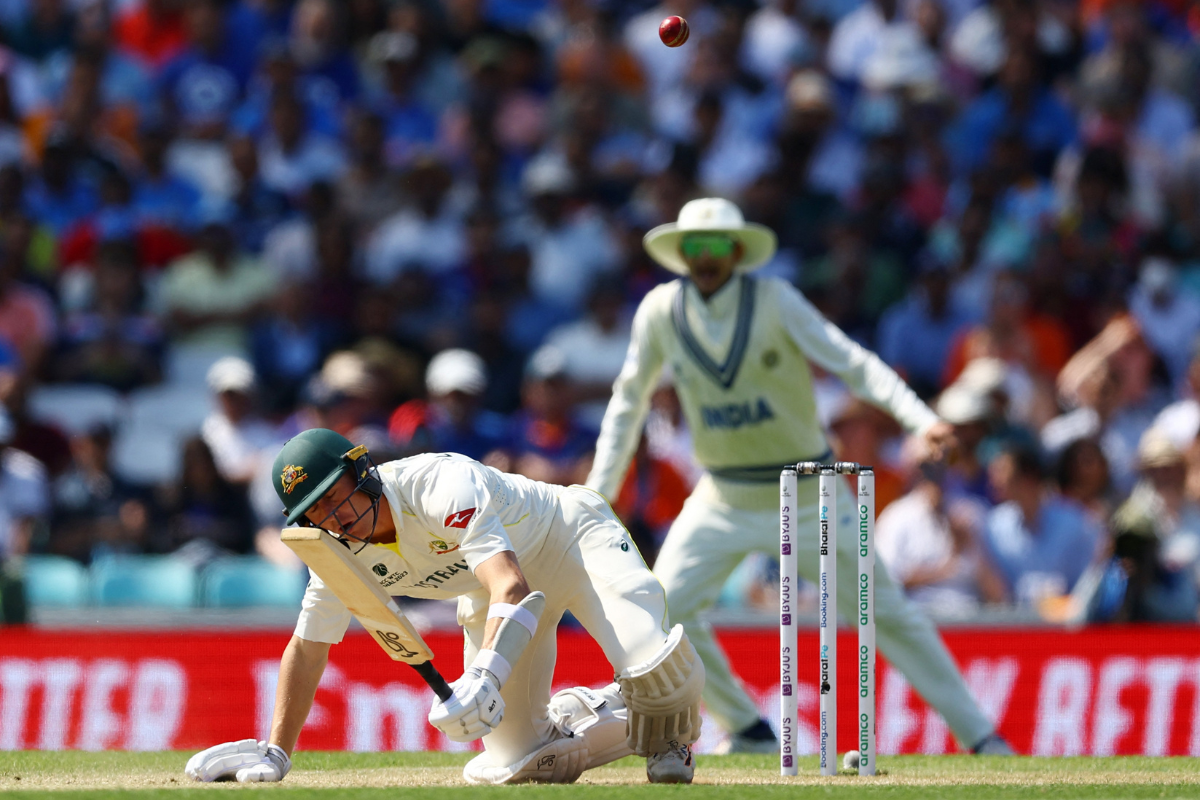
311 462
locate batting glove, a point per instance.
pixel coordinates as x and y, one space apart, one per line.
474 710
248 760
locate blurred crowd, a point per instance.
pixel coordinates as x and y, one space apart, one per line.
419 223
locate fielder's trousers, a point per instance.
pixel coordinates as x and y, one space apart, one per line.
710 538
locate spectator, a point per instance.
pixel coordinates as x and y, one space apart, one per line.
1160 502
409 126
1021 98
96 512
931 545
23 504
1038 542
153 31
970 412
915 334
289 343
1083 476
549 444
113 341
570 245
203 84
259 209
1109 383
291 155
451 420
209 297
21 431
205 516
27 316
595 347
159 197
858 36
1167 314
47 27
237 437
368 192
427 234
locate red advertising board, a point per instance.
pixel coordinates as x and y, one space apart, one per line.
1100 691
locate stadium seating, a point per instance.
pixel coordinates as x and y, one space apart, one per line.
76 408
55 581
143 581
251 581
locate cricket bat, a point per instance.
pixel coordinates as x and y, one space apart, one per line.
349 580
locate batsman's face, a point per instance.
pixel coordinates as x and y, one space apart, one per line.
343 511
710 264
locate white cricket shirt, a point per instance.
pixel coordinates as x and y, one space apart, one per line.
740 362
451 513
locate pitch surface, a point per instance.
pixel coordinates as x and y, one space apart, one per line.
383 776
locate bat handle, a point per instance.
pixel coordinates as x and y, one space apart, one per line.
435 680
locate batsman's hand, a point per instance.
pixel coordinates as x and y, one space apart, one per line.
248 760
475 709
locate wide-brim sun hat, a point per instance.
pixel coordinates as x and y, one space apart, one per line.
710 215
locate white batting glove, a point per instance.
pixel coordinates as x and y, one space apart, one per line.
248 760
475 710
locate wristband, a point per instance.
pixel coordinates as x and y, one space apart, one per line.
494 663
277 756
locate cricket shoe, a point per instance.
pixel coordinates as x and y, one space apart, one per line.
560 761
676 765
992 745
758 738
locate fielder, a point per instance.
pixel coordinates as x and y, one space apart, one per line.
517 554
739 349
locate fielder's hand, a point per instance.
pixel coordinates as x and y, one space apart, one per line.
474 711
248 760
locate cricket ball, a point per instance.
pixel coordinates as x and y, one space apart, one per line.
673 31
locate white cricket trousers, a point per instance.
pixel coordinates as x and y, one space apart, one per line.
590 567
709 539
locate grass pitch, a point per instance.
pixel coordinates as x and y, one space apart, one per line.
437 776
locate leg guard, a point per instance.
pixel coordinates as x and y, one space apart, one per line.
663 697
599 717
560 761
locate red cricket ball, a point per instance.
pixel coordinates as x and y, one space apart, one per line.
673 31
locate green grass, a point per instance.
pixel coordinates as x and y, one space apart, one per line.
436 776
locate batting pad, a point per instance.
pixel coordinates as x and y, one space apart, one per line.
663 696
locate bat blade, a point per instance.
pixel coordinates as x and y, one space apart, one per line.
349 580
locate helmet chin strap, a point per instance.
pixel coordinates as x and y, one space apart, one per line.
370 485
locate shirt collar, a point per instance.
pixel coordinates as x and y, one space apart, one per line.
723 303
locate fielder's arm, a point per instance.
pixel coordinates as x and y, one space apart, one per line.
864 373
626 412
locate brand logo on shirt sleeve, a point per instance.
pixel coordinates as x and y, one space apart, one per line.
459 519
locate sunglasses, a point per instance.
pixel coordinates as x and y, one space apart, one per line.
715 245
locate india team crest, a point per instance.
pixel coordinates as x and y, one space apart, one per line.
291 476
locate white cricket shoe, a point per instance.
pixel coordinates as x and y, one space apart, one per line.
676 765
560 761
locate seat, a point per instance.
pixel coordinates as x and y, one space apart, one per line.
55 581
251 581
76 407
178 409
147 455
161 581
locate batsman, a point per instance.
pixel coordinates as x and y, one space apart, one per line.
738 349
517 554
